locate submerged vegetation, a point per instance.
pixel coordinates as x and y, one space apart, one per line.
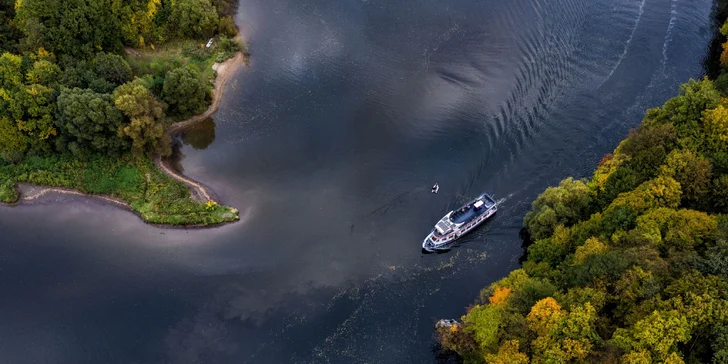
630 265
88 89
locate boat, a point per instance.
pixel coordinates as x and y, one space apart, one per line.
459 222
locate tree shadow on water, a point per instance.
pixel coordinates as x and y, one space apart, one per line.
201 135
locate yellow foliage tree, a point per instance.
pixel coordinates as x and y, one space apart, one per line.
507 354
724 55
544 316
591 246
500 295
715 122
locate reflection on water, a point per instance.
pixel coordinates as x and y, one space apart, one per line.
348 113
201 135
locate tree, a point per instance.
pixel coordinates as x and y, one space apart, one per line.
81 74
716 128
112 68
8 32
720 193
11 79
35 115
508 353
13 143
193 18
692 171
137 20
146 114
545 316
79 28
90 123
591 246
11 75
483 322
659 333
565 204
227 27
44 73
686 110
184 91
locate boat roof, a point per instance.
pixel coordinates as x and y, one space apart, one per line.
472 209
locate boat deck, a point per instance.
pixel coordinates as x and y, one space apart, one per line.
469 212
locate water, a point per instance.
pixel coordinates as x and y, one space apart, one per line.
328 144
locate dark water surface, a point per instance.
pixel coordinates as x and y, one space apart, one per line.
328 143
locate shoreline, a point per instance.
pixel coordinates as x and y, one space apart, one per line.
199 193
38 191
224 70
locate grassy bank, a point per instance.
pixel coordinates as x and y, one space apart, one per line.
155 196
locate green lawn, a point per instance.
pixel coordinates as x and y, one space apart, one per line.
158 198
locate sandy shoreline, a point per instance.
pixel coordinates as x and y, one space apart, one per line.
198 192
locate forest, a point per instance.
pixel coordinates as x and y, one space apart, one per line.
630 265
88 88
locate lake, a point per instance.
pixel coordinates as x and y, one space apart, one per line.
328 143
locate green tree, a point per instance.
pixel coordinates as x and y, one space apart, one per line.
184 91
90 123
658 334
81 74
719 193
686 110
76 27
146 114
11 79
692 171
113 68
35 115
8 32
483 322
227 27
44 73
137 18
13 143
562 205
193 18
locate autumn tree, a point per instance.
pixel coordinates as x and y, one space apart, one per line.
146 114
716 127
692 171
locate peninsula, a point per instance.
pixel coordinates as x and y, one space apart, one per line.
92 109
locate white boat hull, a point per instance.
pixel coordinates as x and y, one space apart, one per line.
430 244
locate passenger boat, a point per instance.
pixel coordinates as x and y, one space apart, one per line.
459 222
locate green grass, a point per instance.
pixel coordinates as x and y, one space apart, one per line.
158 198
157 62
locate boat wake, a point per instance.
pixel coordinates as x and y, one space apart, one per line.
629 42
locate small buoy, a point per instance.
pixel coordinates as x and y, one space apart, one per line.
435 188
